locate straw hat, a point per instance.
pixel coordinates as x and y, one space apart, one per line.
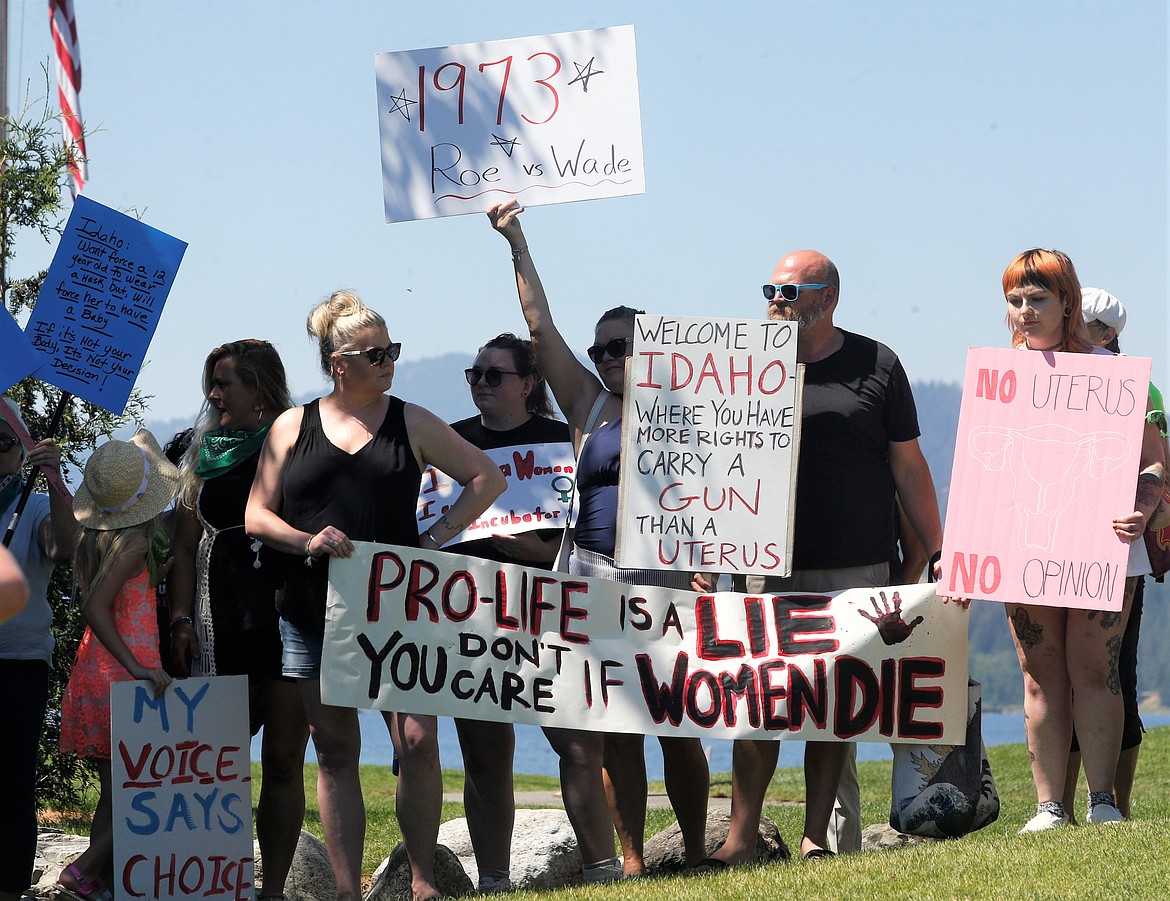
126 483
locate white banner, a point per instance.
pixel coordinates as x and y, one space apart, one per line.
547 119
540 482
182 789
710 434
438 633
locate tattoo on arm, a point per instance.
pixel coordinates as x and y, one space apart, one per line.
1149 486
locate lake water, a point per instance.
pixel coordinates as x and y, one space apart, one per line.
535 757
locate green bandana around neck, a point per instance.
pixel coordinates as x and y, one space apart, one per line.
224 449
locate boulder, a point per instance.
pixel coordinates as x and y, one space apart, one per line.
544 849
391 881
882 836
310 878
665 853
55 849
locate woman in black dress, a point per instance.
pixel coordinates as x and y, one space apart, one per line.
222 586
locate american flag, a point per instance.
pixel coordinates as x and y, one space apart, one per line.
64 27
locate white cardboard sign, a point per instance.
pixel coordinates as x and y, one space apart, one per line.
547 119
182 789
438 633
710 440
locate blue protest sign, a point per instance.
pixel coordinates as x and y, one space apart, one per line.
18 358
101 302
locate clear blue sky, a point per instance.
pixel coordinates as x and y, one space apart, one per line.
920 145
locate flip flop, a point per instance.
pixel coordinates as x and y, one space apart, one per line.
711 865
818 854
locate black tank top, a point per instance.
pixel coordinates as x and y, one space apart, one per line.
370 495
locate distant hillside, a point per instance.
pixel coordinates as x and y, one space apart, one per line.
437 383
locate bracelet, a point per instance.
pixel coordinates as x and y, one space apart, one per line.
434 540
307 543
518 252
182 621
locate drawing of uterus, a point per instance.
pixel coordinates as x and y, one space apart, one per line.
1046 463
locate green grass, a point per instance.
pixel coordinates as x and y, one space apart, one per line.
1123 861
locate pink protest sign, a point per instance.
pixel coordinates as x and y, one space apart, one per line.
1046 456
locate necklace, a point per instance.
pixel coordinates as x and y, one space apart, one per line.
1057 346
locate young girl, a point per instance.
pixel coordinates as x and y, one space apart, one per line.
119 560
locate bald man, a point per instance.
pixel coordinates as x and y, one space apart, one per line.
858 451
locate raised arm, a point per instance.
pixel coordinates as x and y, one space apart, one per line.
573 385
436 444
57 532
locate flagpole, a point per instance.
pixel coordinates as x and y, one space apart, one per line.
3 68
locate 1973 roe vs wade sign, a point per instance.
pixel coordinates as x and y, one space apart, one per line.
710 434
547 119
430 632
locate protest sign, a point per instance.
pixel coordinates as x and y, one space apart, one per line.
539 490
710 434
18 359
547 119
438 633
101 302
182 791
1046 457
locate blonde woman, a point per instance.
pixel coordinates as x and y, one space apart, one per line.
343 468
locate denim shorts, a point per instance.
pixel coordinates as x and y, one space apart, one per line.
302 652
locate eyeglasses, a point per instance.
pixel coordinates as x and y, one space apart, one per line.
7 443
376 355
615 347
788 291
492 376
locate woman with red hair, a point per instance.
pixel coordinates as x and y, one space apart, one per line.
1069 656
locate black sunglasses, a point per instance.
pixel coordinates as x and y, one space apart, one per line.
492 376
615 347
377 355
7 443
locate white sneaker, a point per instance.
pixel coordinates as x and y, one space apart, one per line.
1044 821
1104 813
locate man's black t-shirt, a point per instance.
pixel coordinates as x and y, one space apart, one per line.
856 402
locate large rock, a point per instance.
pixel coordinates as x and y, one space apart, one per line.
882 836
391 880
544 849
665 852
310 878
54 850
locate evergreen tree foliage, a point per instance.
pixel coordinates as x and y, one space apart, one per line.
33 170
